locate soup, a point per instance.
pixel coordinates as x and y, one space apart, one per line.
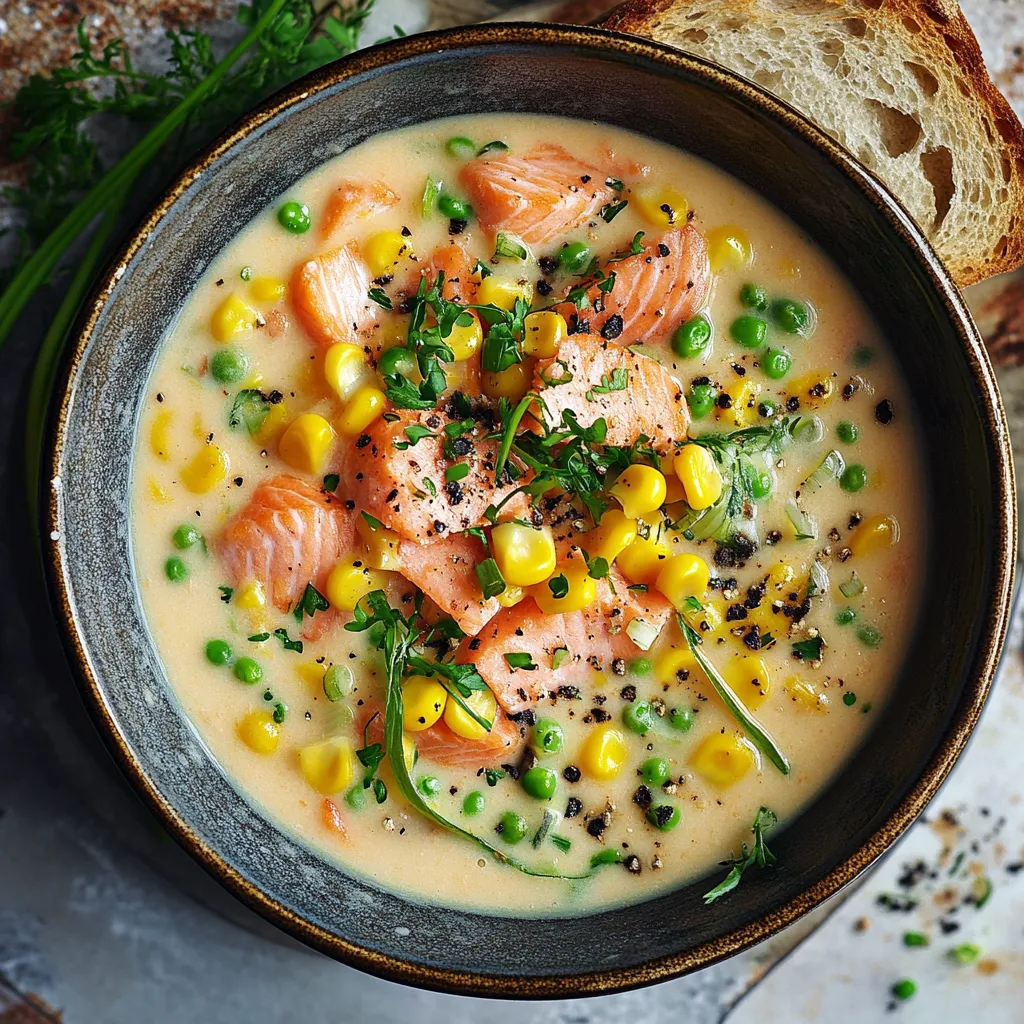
527 515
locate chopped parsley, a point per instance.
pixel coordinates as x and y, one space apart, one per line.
311 602
521 659
617 382
226 593
331 482
808 650
493 776
759 854
380 296
611 210
509 247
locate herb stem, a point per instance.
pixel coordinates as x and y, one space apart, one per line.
510 433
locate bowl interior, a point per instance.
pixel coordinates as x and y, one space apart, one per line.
588 75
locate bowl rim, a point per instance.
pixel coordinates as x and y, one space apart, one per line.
950 745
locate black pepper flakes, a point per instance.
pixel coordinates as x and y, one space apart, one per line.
596 827
884 411
612 327
571 773
642 797
573 807
628 693
632 864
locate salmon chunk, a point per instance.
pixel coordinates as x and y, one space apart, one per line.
356 200
535 197
654 291
442 746
651 402
288 535
459 284
329 294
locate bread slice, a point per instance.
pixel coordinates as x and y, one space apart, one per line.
900 83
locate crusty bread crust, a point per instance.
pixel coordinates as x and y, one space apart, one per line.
927 120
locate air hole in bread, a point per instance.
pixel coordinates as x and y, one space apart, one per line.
769 80
937 165
695 35
1007 169
928 83
776 32
873 4
855 26
899 132
694 15
911 25
1000 250
831 61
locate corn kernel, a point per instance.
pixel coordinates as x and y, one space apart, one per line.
482 702
423 702
267 289
875 533
603 753
207 469
273 425
780 576
581 592
683 577
696 470
544 332
306 444
639 489
524 555
813 389
312 674
805 695
251 595
344 366
384 251
710 619
350 581
511 383
723 759
160 434
233 316
503 294
642 560
677 665
464 341
674 490
743 411
661 206
259 732
365 406
381 545
614 534
156 492
729 248
328 766
749 678
510 596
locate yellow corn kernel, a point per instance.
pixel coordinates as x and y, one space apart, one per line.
306 444
682 577
710 619
729 248
156 492
749 678
503 294
642 560
674 490
251 595
581 593
603 753
661 206
696 470
350 581
723 759
384 251
813 389
639 489
343 367
512 383
875 533
614 534
273 425
677 665
160 434
510 596
544 332
381 545
780 576
255 380
210 465
259 732
233 316
366 405
767 619
267 289
482 702
805 695
328 766
743 411
423 702
464 341
524 555
312 674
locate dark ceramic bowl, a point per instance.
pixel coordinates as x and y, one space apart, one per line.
623 81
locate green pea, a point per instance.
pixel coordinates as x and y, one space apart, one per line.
845 616
638 717
186 536
218 652
776 363
854 477
429 785
753 296
175 569
540 783
473 803
511 827
575 257
904 988
870 636
245 273
280 711
862 356
548 736
682 718
701 400
248 670
791 316
767 409
847 432
655 771
663 816
849 698
641 666
294 217
455 209
762 483
397 359
461 147
749 331
229 365
356 797
692 338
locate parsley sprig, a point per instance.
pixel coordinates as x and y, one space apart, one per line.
759 854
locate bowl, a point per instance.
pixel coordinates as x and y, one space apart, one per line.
590 74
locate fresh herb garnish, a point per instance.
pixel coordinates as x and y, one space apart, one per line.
809 650
430 486
559 656
611 210
559 586
614 183
521 659
311 602
415 433
372 521
759 854
617 382
331 482
508 247
501 347
380 296
370 756
482 269
431 190
563 844
493 776
497 146
282 634
597 568
226 593
635 248
249 409
492 583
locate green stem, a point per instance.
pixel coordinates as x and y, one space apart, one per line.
510 433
